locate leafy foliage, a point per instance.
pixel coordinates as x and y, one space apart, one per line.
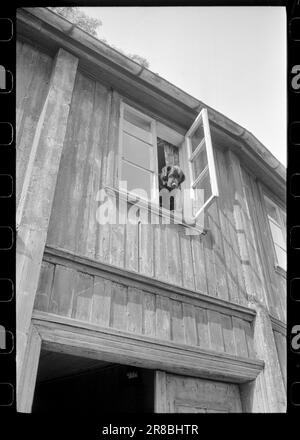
141 60
79 18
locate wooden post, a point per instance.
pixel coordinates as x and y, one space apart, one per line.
27 383
267 392
38 192
160 405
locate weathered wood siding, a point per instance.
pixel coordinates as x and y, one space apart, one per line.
66 291
32 82
232 261
213 264
161 251
280 340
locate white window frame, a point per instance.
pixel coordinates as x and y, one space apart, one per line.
183 142
154 190
280 212
211 168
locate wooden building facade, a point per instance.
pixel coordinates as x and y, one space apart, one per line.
197 321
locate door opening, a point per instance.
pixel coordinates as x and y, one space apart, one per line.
74 384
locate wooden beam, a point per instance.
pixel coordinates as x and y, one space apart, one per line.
82 339
148 284
26 385
38 191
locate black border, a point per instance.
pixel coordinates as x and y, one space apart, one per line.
91 428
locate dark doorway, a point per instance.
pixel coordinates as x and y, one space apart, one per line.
67 383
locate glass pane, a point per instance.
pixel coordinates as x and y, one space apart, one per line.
272 212
137 132
199 162
277 235
137 120
197 136
137 179
204 185
136 151
281 257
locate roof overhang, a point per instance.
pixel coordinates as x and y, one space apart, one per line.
50 31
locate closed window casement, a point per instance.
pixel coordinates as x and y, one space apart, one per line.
146 146
277 223
138 153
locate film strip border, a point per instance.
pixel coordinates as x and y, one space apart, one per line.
293 199
7 216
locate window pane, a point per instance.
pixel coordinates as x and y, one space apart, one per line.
137 120
136 178
199 162
281 257
277 235
204 184
137 132
272 212
136 151
197 136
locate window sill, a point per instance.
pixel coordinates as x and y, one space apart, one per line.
167 217
280 270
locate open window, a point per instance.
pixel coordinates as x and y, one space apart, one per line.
147 145
201 164
277 223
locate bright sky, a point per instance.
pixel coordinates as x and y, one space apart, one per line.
231 58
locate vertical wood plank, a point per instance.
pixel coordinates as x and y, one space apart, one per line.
202 328
70 192
173 253
83 294
135 310
26 385
146 247
280 341
110 169
177 326
33 71
132 246
119 316
200 269
64 283
186 261
163 324
160 404
101 302
217 257
252 235
215 331
117 241
240 337
227 231
189 324
44 287
98 133
149 313
228 336
249 339
160 252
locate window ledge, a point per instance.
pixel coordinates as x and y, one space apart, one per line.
280 270
170 217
